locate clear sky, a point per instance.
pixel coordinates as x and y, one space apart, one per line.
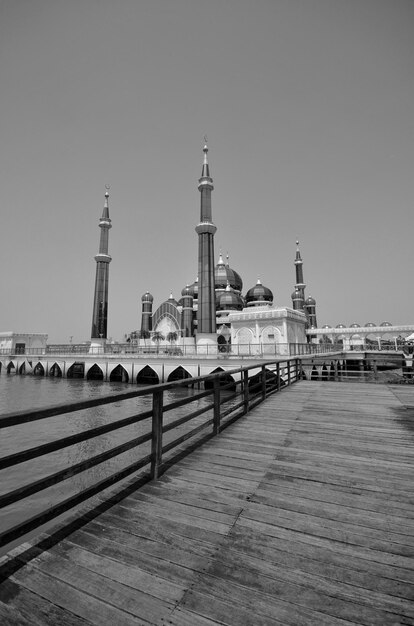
308 106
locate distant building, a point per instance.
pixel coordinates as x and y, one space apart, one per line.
22 343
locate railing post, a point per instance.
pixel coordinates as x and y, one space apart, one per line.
288 372
278 375
263 382
156 441
296 370
246 390
216 417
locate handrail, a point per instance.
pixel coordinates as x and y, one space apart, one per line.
233 394
173 351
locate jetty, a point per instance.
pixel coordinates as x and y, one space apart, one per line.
299 512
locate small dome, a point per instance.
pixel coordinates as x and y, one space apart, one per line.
258 294
326 326
147 297
310 301
229 300
194 289
340 326
223 274
386 324
370 325
355 325
187 291
297 295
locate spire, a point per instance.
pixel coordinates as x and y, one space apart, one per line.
298 257
220 261
205 172
105 213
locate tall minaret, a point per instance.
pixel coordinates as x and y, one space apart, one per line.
206 313
298 296
100 300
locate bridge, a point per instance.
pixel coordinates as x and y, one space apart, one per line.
132 365
298 511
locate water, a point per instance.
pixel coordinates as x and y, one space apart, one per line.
29 392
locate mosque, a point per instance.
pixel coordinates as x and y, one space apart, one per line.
214 312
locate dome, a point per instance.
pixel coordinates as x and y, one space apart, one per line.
147 297
223 274
194 289
297 294
229 301
370 325
340 326
355 325
258 294
187 291
386 324
326 326
310 301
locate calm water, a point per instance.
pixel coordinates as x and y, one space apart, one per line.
29 392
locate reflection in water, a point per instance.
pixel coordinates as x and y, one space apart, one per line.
27 392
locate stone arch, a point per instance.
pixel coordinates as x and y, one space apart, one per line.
119 374
55 371
22 368
95 373
38 369
244 339
227 379
314 373
180 373
76 370
147 376
324 372
11 366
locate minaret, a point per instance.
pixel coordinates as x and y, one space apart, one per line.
206 313
100 301
146 317
298 296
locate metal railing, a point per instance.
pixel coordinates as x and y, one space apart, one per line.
226 397
259 351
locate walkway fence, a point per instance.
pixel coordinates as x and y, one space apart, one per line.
163 436
175 350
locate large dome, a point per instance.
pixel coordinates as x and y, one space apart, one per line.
258 294
223 274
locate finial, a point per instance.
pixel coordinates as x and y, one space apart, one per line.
227 258
297 242
107 187
228 288
259 282
220 261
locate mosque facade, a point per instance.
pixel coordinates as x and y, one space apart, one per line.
214 312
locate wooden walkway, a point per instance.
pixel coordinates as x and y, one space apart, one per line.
301 513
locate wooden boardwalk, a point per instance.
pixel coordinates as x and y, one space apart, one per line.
300 513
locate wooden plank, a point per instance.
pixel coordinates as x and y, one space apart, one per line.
300 513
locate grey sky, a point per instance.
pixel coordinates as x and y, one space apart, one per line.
308 107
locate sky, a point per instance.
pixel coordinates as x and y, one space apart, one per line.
308 108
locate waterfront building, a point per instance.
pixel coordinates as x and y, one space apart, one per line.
100 300
22 343
213 312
